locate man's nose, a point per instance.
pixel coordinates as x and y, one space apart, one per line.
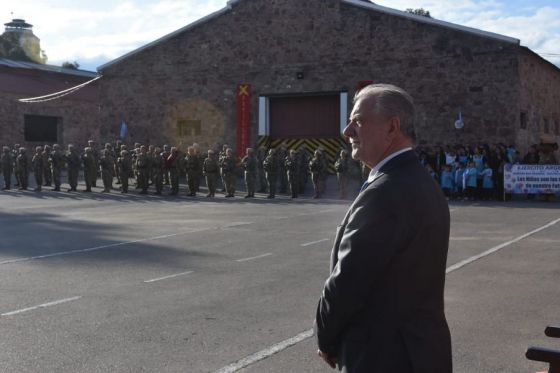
349 130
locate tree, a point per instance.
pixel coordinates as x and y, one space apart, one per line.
71 65
419 12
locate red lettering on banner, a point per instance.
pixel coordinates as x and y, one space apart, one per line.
243 118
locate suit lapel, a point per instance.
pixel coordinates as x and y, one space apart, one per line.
393 163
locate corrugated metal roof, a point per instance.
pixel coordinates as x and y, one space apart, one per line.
49 68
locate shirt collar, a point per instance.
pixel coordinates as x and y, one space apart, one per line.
375 170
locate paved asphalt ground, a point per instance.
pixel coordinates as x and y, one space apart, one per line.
129 283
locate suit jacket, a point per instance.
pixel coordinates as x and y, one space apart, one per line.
382 307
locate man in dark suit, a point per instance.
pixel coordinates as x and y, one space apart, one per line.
382 308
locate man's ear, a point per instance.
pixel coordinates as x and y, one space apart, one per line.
394 126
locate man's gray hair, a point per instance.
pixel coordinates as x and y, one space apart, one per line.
391 101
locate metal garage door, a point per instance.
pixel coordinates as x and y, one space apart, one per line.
305 116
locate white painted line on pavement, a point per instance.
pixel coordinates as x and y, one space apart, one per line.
263 354
70 252
314 242
239 224
40 306
170 276
463 263
253 257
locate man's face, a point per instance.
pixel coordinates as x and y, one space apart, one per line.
368 133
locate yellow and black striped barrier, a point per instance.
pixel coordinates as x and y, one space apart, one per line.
330 145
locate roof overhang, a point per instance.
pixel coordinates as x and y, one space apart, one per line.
431 21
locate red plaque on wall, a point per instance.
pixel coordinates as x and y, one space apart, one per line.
243 118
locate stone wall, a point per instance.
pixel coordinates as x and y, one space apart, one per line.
539 99
265 43
79 119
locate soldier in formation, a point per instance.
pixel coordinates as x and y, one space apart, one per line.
158 166
90 168
7 164
291 165
165 154
282 176
192 165
37 166
210 170
56 162
124 165
228 167
172 164
341 167
72 159
261 155
22 169
143 169
47 175
270 165
317 168
249 163
107 165
303 172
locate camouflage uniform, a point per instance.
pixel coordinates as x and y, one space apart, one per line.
249 162
227 167
95 153
107 163
56 161
165 154
90 168
38 169
200 164
172 164
47 175
303 160
73 162
341 167
192 170
116 154
292 171
124 164
210 170
221 157
22 169
151 155
261 155
15 153
270 165
317 169
143 169
282 176
157 171
7 162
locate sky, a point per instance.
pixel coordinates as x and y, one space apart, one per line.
95 32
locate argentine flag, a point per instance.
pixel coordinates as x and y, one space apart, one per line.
124 129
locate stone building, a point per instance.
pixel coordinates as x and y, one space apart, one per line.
71 118
285 71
